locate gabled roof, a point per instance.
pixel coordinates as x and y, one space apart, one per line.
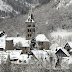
42 54
70 44
63 50
54 46
41 38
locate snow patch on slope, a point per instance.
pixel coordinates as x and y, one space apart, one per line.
5 7
64 3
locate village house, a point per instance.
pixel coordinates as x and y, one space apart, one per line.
14 54
19 43
61 52
43 42
68 46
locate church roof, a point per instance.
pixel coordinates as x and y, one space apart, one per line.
30 18
41 38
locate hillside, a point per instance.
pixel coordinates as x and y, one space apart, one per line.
48 17
11 8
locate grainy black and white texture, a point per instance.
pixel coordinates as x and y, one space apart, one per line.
52 18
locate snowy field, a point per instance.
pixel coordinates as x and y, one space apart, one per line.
5 7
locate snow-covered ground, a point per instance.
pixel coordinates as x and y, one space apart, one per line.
5 7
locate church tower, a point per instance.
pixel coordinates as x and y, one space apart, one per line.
30 26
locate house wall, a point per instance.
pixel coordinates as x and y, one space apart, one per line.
43 45
25 49
9 45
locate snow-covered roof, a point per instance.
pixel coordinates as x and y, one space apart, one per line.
21 40
41 38
54 46
2 43
14 54
42 54
64 50
70 44
24 58
11 51
30 19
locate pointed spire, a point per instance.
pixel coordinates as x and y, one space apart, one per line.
30 15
